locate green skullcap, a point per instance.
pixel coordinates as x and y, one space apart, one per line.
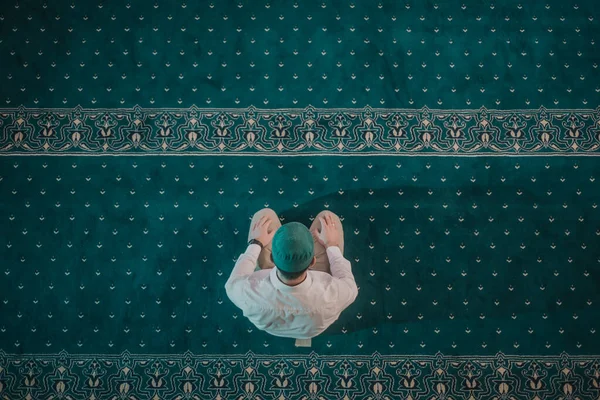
292 247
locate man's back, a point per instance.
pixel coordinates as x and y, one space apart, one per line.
302 311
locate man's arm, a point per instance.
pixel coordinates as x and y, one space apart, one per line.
342 270
244 267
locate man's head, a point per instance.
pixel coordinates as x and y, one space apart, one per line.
292 250
291 276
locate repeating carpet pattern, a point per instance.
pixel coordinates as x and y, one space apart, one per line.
304 131
189 376
457 141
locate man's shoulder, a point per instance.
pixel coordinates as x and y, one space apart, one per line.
320 276
260 277
319 273
260 274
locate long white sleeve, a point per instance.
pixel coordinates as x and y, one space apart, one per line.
238 280
341 270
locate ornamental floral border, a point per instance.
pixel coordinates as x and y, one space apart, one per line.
312 376
309 130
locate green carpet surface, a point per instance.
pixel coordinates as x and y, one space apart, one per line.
459 255
457 141
448 54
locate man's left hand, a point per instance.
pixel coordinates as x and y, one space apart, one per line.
262 231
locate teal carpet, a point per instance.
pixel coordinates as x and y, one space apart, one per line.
456 141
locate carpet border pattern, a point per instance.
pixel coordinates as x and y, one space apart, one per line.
311 376
309 130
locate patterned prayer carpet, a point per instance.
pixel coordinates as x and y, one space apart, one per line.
455 140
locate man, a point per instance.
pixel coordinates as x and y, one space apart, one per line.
291 281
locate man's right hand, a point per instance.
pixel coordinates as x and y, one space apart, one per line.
329 233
